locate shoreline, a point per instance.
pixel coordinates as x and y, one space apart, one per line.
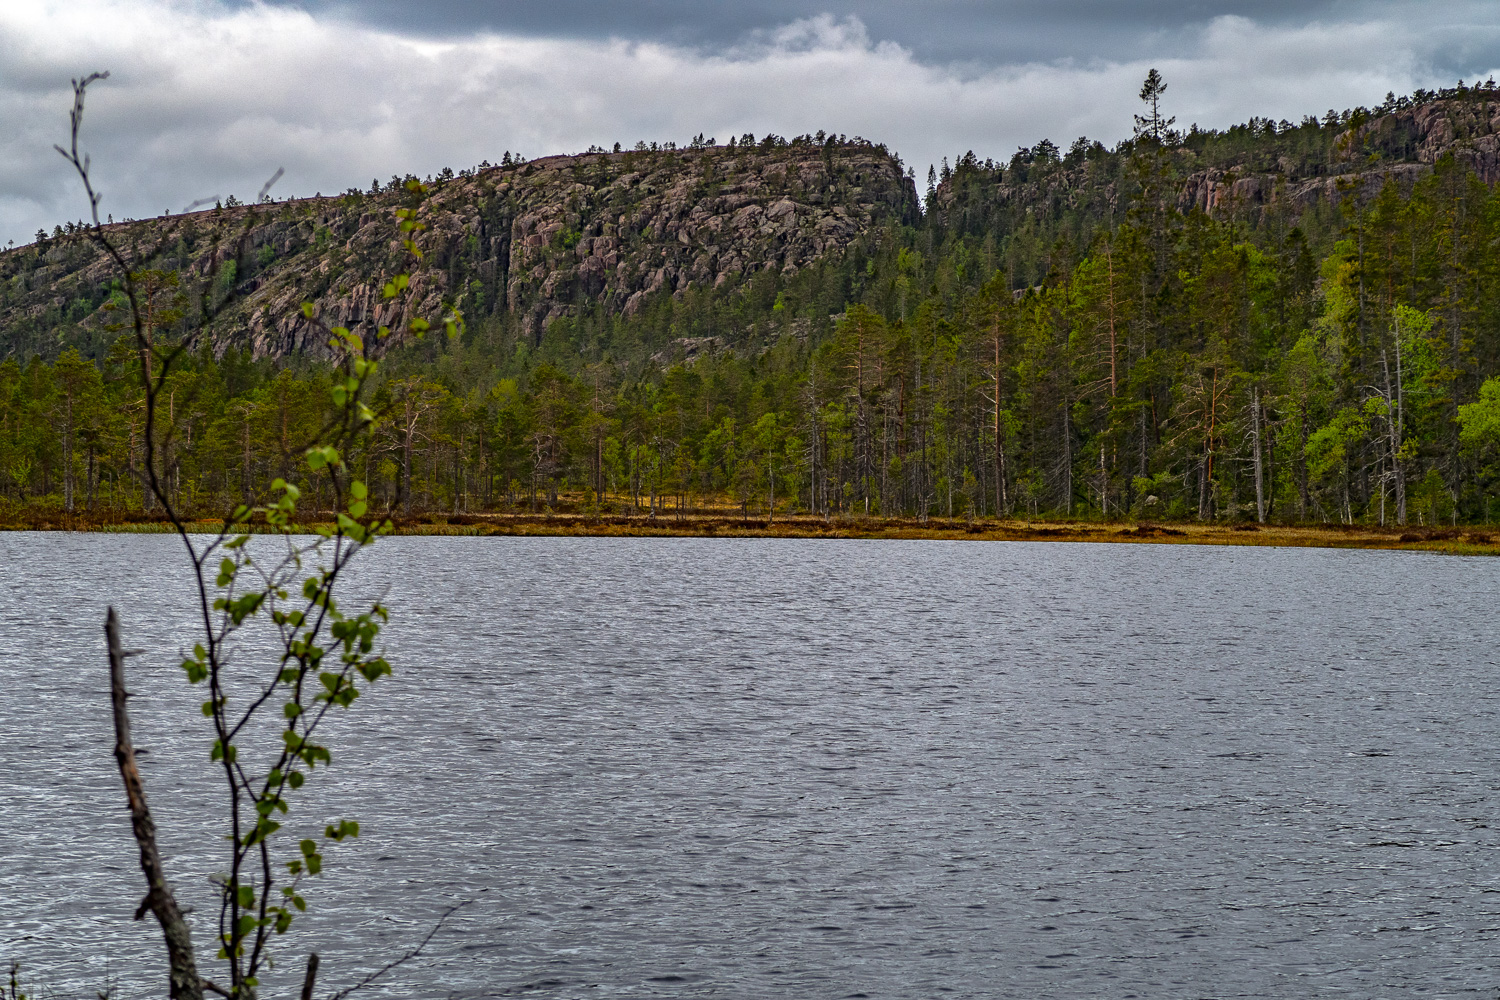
1463 540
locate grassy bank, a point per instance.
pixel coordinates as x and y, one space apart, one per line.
728 524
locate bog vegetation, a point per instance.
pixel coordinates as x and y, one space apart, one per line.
1110 355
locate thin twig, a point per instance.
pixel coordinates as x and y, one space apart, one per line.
404 958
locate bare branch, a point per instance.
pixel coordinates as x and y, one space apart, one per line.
185 984
404 958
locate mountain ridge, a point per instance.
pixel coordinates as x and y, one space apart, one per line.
537 240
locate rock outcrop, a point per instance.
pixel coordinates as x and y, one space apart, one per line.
1402 146
536 241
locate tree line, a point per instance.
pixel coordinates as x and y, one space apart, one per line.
1177 366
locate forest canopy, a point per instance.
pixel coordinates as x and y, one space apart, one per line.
1150 361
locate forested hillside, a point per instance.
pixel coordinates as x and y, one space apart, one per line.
1288 322
526 241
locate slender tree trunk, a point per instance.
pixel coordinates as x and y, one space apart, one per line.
1002 501
771 508
1067 460
309 979
1400 435
1260 494
1393 428
184 982
1103 484
1302 495
406 474
68 459
245 467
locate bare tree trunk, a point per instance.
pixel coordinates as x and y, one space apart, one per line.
406 470
1302 496
245 489
1104 485
312 974
159 899
68 458
1400 435
1260 492
1394 426
771 507
1067 461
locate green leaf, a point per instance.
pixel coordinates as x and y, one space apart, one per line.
344 828
246 896
358 490
307 309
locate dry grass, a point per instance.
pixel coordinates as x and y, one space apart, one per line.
731 524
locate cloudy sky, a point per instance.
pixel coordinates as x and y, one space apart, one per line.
210 97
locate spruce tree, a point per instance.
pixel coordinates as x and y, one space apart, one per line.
1153 125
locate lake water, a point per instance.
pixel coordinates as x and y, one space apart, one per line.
821 769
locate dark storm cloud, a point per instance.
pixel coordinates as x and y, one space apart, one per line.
1452 35
980 31
212 96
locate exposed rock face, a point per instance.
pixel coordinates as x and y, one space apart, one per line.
1402 146
1216 191
538 240
621 227
1466 128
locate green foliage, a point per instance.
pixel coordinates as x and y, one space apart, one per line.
1480 419
283 591
1046 312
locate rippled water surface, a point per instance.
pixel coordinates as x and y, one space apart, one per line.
811 769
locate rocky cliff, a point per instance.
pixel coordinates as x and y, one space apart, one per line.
1253 169
530 242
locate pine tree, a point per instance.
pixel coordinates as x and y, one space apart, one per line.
1153 126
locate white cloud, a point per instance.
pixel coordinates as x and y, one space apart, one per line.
207 101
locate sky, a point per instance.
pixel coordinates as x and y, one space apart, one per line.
208 98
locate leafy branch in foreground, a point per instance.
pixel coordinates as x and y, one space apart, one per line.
267 727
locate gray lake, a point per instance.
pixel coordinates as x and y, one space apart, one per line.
821 769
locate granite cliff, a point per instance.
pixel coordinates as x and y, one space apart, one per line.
1260 171
530 242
